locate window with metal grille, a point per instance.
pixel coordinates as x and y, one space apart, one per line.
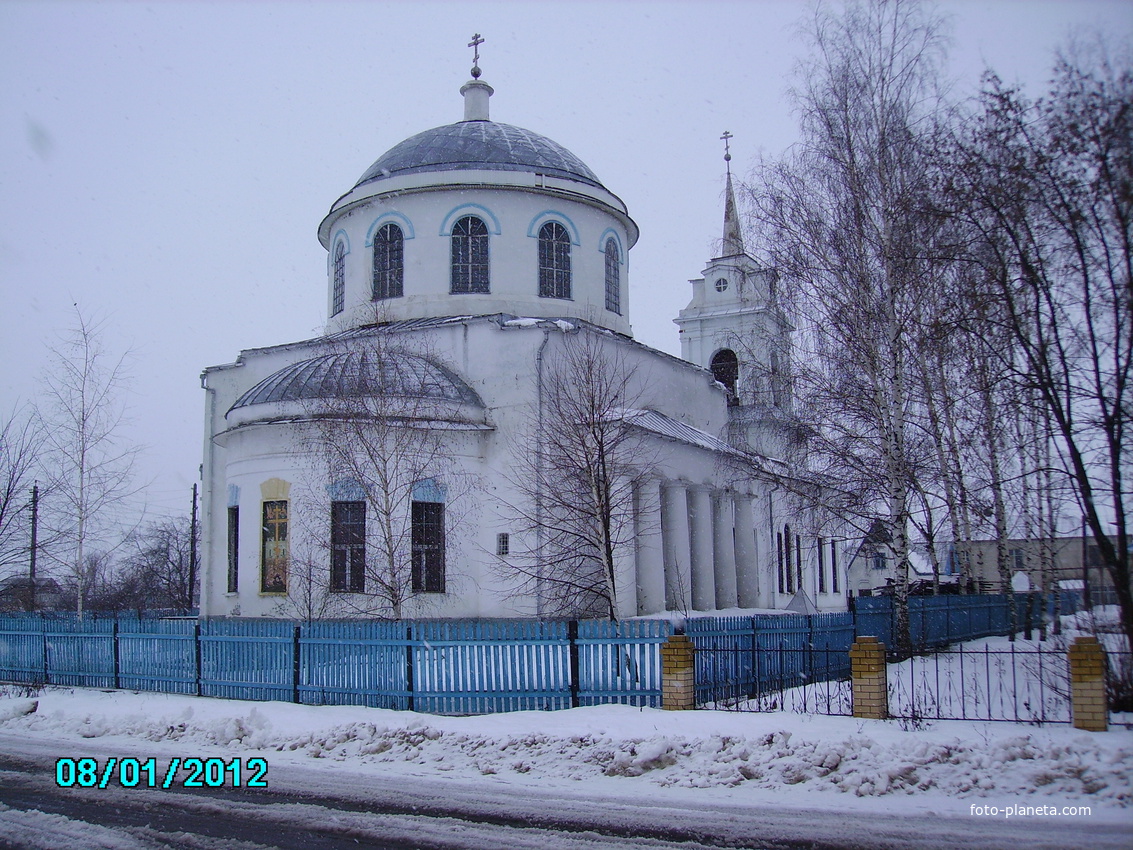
428 547
503 544
554 261
469 256
613 278
389 262
233 549
275 548
338 291
348 547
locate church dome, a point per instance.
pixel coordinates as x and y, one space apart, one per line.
355 374
483 146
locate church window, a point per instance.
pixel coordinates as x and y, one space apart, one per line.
554 261
233 548
338 290
503 544
833 567
779 559
389 262
725 368
821 567
722 284
275 551
469 256
787 559
428 547
613 278
348 547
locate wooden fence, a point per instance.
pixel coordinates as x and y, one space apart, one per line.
465 667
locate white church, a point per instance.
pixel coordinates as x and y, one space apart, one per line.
392 467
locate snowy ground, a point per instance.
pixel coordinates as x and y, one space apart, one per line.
781 760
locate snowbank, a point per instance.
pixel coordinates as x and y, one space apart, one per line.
820 759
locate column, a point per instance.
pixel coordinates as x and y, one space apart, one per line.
747 565
700 529
648 550
1088 707
724 549
675 540
868 687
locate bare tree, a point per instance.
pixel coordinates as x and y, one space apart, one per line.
385 485
581 456
842 220
1044 187
91 466
156 571
20 440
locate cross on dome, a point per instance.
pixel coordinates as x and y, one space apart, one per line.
475 45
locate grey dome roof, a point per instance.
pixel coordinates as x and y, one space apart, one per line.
361 373
479 145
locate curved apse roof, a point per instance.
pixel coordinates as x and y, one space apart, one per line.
483 146
361 373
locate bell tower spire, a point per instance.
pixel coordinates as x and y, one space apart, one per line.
733 243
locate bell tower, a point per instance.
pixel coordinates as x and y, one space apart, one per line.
735 327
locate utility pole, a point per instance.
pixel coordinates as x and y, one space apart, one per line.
34 544
193 547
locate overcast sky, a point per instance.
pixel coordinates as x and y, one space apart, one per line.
165 165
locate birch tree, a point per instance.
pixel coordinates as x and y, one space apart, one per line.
1046 188
91 464
842 220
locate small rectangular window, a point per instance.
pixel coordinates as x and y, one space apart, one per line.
348 547
503 544
233 549
428 547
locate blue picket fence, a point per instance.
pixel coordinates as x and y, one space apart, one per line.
738 657
472 667
936 621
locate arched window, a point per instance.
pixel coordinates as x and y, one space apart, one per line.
725 368
389 262
338 289
554 261
469 256
613 278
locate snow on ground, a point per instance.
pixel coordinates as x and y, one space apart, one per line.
824 762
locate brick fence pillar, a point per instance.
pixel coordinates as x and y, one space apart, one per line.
869 686
1088 708
678 684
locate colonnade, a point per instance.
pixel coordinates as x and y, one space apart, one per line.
696 549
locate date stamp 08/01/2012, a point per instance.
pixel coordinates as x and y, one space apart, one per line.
145 773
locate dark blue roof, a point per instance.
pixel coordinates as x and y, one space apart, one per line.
480 145
361 373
